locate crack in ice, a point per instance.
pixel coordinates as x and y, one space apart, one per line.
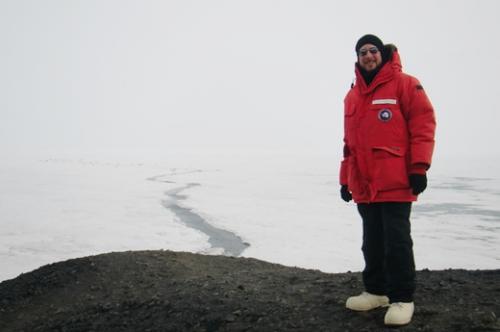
230 243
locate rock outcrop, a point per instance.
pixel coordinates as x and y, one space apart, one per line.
173 291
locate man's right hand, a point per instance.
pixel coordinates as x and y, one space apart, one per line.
345 194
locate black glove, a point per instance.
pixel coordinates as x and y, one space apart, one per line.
418 183
345 194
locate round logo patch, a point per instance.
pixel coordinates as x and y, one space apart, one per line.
385 115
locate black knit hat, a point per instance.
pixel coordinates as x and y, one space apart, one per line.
369 39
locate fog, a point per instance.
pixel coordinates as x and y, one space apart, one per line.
156 76
132 125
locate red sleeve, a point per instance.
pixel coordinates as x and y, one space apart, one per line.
421 125
343 176
343 170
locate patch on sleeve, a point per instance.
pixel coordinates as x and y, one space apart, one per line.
419 87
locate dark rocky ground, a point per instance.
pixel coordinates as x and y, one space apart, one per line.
169 291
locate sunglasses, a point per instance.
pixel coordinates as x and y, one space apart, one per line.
372 50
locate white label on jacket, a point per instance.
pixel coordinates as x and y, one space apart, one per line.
384 101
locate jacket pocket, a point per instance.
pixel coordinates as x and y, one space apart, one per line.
389 168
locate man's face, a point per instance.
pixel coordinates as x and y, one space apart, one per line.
369 57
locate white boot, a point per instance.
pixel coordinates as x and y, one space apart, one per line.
399 313
366 301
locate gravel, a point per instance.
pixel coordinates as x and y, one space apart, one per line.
177 291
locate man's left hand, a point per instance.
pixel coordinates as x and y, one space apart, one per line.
418 183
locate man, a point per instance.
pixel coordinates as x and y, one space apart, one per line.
389 129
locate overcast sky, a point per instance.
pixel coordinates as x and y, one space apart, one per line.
242 75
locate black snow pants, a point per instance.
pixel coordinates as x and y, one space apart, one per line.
388 250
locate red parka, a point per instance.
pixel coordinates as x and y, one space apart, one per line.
388 134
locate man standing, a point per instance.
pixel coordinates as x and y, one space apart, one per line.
389 129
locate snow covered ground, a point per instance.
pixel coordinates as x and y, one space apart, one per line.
285 208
